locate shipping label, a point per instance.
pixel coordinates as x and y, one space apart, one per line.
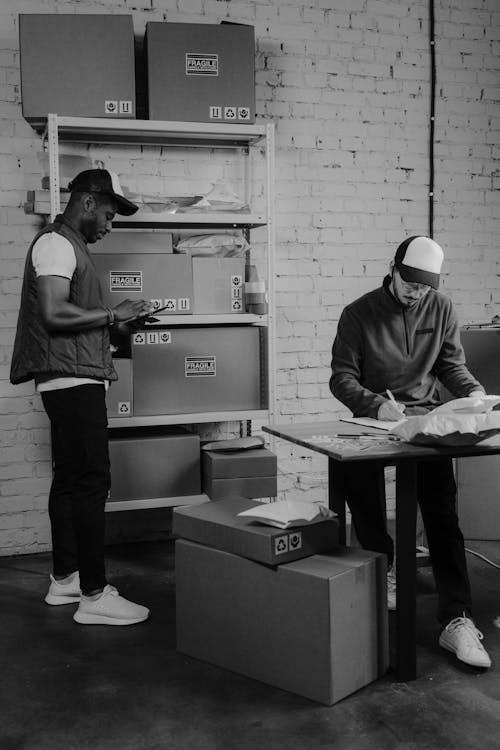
200 367
201 65
130 281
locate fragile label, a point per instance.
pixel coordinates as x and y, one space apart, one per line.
201 65
125 280
200 367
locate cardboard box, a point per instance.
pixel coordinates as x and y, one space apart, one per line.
316 627
76 64
164 279
153 463
217 524
218 285
200 72
134 241
198 369
256 462
244 486
119 396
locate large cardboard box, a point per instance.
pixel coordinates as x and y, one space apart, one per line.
198 369
119 396
218 525
164 279
200 72
76 64
218 285
316 627
154 463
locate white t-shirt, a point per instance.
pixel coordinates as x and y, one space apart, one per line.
53 255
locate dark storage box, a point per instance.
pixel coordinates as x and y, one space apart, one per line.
200 72
154 463
76 64
217 524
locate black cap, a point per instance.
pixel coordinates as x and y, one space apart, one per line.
106 183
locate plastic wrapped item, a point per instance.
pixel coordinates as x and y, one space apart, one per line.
220 197
210 245
463 421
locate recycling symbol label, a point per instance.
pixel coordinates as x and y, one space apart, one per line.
236 305
138 338
295 540
230 113
171 304
123 408
280 545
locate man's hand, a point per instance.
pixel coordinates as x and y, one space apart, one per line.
390 411
131 310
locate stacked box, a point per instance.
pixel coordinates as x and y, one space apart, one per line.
76 64
119 396
316 626
217 524
218 285
154 463
198 369
200 72
249 473
165 279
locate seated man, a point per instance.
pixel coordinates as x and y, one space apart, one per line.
404 337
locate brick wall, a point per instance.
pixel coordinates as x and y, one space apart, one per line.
347 84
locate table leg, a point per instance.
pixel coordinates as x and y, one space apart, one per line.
406 584
337 496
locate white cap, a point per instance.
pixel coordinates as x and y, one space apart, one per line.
419 259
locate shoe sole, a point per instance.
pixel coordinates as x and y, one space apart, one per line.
56 601
84 619
469 663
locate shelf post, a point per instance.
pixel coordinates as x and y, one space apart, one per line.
53 147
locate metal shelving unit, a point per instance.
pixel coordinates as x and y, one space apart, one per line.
176 134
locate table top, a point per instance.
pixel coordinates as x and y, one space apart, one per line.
323 437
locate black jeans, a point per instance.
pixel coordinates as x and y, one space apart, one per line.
80 483
436 490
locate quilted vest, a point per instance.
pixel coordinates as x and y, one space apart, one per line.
39 354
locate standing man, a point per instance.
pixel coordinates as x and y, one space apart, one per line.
62 343
404 336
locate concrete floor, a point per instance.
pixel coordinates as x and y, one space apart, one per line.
73 687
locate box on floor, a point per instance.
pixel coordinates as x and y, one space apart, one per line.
316 627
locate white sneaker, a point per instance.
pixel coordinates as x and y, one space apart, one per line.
64 592
109 609
391 588
462 638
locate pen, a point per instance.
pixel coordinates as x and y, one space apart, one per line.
391 397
